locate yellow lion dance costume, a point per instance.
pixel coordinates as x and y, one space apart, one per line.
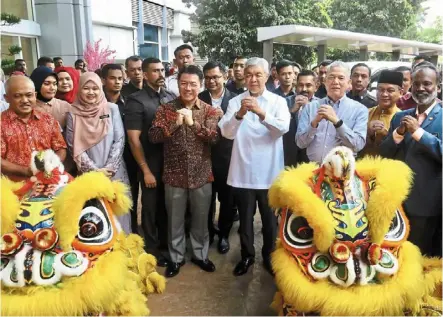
343 246
62 249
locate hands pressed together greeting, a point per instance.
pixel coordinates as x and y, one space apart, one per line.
325 112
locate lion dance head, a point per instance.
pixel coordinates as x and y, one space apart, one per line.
343 246
62 248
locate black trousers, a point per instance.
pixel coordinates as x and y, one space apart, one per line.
132 169
155 219
246 200
426 234
225 195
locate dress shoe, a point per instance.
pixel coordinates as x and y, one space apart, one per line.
223 245
243 266
162 262
173 268
268 266
205 265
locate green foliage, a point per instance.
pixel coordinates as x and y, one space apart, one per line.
14 49
9 19
387 18
433 34
7 66
394 18
228 28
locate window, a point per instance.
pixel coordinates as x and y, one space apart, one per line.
28 52
149 50
20 8
151 46
151 33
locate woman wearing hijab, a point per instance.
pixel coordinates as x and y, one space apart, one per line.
95 134
45 81
68 78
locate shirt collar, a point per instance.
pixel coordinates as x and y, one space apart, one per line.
222 95
428 111
50 102
360 97
197 103
266 94
332 103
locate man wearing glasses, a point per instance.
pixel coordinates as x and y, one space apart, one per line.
335 120
218 96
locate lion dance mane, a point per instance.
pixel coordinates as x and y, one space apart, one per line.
63 252
342 247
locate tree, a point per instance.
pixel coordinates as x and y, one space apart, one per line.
95 56
433 34
8 63
394 18
387 18
228 28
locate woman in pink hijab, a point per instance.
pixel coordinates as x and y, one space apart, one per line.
95 134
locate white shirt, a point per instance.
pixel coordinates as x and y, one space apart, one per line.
172 84
216 103
257 154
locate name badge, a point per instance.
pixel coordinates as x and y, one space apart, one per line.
104 116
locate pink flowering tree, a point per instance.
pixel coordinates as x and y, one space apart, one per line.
96 56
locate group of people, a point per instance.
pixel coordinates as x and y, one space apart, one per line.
182 142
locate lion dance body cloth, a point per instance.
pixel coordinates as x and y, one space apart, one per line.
63 252
343 246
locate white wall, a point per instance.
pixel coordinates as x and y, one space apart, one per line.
116 12
118 39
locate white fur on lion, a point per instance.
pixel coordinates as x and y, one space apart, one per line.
51 161
333 163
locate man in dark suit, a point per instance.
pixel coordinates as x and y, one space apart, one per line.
415 137
218 96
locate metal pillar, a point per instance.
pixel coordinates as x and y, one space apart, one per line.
364 54
321 53
434 59
395 56
268 50
164 49
140 26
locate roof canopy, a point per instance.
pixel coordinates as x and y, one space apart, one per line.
313 36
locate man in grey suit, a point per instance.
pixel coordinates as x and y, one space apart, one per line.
415 137
218 96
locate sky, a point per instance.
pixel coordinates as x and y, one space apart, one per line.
435 9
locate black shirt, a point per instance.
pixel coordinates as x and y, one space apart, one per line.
141 107
128 89
321 92
232 88
279 91
367 99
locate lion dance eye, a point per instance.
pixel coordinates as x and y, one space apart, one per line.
91 224
88 229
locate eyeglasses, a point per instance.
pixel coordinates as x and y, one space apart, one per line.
214 78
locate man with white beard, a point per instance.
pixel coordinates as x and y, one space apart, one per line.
415 137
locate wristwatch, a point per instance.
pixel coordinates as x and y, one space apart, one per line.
338 124
237 117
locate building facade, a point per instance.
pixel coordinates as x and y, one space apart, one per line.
63 27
